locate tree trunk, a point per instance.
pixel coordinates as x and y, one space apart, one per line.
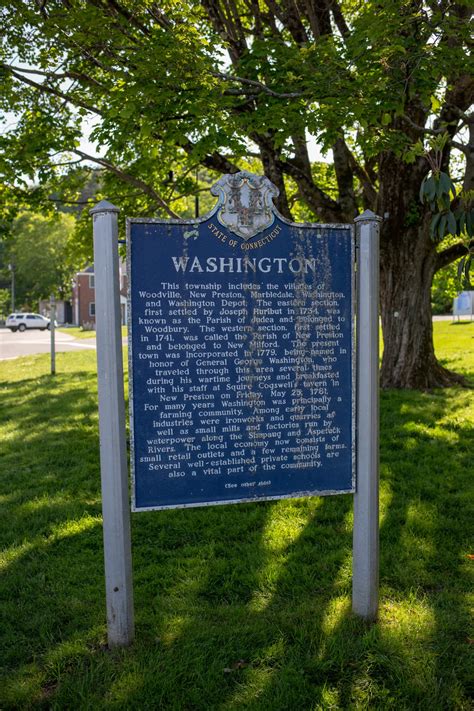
407 258
408 359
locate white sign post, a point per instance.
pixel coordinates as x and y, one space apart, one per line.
365 565
113 453
463 305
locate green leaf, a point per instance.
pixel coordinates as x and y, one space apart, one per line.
434 223
444 184
467 270
146 130
444 202
442 226
428 189
467 264
452 226
422 190
469 222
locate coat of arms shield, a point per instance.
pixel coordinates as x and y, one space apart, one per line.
245 203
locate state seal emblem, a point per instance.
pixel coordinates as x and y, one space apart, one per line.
245 203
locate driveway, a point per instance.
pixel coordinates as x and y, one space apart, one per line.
13 345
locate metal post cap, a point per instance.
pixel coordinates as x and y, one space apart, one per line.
368 216
103 206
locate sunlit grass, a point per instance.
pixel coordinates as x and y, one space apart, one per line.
239 607
78 332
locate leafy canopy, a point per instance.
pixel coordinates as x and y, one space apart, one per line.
43 253
172 87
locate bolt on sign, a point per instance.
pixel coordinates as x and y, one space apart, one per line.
241 354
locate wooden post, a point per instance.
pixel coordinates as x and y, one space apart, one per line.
113 454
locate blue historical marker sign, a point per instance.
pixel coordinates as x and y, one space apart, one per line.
241 354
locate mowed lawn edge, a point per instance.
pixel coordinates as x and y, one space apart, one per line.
242 606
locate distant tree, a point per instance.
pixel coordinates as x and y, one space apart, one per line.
445 288
175 85
5 302
42 250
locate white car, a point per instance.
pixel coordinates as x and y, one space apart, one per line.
20 322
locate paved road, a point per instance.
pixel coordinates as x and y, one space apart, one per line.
13 345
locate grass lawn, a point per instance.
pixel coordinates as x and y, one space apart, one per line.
237 607
80 333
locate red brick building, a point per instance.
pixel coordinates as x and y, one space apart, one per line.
83 296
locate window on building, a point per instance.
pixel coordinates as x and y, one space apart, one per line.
92 308
91 281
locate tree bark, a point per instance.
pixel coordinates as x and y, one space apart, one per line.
409 359
408 262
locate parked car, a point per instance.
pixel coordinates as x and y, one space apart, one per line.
20 322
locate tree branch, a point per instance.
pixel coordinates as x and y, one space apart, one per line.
287 14
227 28
109 10
345 178
366 181
316 199
160 17
450 254
458 98
258 85
423 129
466 118
128 16
461 147
339 19
213 161
132 179
59 75
52 91
91 201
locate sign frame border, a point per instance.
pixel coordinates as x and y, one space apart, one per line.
354 356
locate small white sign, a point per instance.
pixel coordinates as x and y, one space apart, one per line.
464 304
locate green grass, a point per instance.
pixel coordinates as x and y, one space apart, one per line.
78 332
237 607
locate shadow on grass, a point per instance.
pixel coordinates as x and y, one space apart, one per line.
426 534
237 607
50 526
